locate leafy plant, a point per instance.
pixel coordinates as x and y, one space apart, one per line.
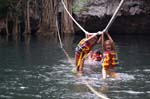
78 7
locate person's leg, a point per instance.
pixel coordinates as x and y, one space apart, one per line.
114 74
84 55
104 73
82 63
81 66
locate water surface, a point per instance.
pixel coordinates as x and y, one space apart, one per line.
34 68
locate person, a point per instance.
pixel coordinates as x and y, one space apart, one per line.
82 50
94 57
110 59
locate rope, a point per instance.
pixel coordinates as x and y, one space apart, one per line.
61 45
100 95
113 17
99 32
86 32
60 41
95 92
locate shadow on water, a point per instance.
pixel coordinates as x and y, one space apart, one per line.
37 68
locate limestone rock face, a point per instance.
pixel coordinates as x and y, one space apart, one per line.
133 17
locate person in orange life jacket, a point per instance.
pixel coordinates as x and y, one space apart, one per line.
109 58
82 50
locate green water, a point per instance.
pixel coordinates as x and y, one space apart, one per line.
35 68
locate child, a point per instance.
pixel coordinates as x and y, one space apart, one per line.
82 50
109 58
95 57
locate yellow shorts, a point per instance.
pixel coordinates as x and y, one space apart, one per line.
81 56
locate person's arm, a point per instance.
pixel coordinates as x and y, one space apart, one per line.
103 42
100 39
89 37
109 37
86 35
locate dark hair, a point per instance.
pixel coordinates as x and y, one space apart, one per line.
97 51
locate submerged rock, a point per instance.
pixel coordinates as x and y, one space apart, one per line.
133 17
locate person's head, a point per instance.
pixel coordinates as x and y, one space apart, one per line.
108 45
97 51
97 55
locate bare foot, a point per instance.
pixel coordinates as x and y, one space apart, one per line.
74 70
80 73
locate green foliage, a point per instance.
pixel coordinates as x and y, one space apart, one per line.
79 6
76 8
84 1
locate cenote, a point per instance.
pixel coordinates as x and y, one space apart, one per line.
36 68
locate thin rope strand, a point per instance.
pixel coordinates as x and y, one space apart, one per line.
73 18
60 41
86 32
114 16
99 32
100 95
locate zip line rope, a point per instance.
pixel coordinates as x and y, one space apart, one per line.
61 45
110 22
100 95
99 32
60 41
114 16
86 32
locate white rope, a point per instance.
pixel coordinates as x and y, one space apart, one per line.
113 17
86 32
60 41
99 32
100 95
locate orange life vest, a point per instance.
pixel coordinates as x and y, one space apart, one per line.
110 59
84 46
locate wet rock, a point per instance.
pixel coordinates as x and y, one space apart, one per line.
132 18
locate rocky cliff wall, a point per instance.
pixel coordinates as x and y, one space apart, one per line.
134 16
